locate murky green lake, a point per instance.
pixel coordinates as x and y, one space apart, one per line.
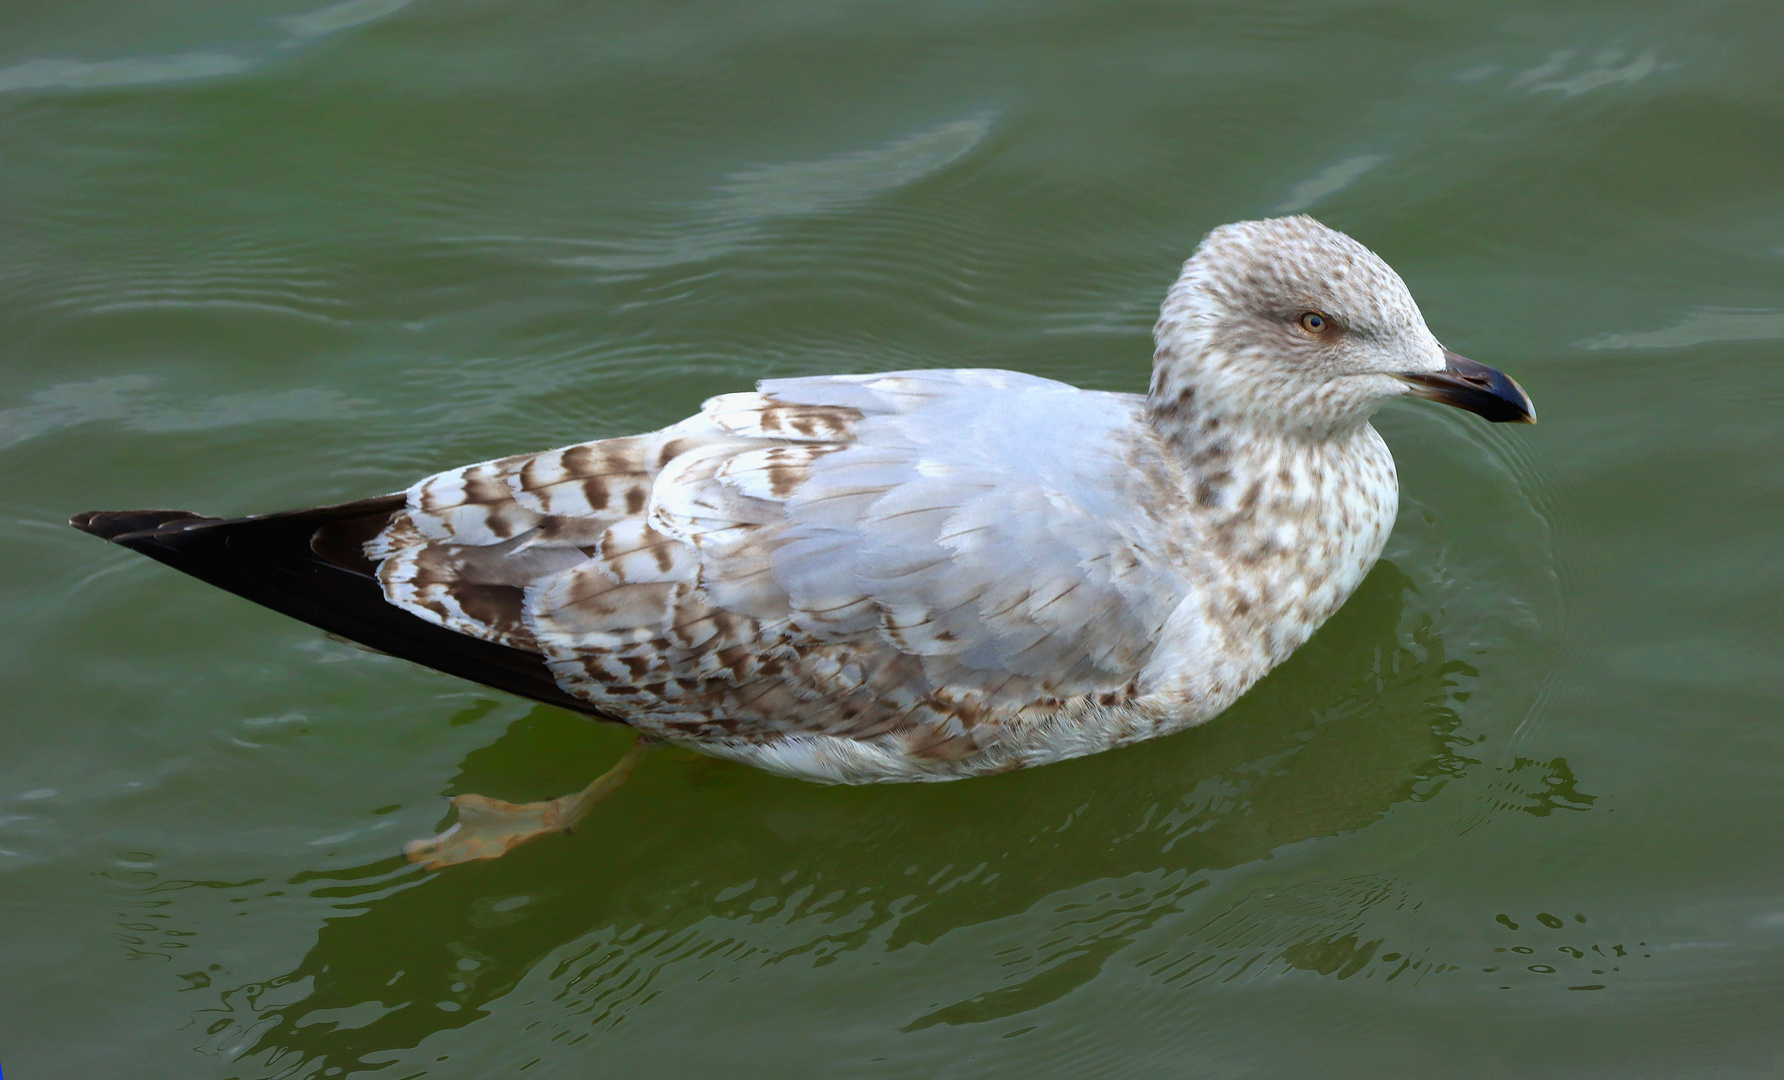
1518 810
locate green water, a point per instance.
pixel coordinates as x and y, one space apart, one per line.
1516 811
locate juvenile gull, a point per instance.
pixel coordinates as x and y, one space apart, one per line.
915 575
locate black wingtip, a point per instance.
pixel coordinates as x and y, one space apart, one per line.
111 524
311 565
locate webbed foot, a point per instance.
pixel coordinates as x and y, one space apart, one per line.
489 828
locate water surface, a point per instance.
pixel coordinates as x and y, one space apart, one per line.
1514 811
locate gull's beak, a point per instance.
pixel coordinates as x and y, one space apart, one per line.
1478 388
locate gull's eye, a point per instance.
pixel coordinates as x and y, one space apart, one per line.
1316 323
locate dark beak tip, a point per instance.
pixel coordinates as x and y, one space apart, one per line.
1477 388
1503 410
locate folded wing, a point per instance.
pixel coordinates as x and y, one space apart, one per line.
917 552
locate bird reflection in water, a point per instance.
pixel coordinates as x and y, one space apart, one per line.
702 866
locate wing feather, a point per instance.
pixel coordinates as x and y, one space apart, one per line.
919 552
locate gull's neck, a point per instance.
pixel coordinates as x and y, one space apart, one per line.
1290 520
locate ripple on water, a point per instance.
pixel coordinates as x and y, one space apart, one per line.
142 273
749 201
137 403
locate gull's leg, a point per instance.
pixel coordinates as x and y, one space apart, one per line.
487 828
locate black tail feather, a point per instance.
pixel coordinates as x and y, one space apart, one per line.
309 564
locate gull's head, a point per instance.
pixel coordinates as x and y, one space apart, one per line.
1285 324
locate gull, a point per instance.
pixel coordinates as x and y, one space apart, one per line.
906 576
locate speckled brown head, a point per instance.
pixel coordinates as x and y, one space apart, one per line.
1287 325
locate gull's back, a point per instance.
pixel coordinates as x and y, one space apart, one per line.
902 576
